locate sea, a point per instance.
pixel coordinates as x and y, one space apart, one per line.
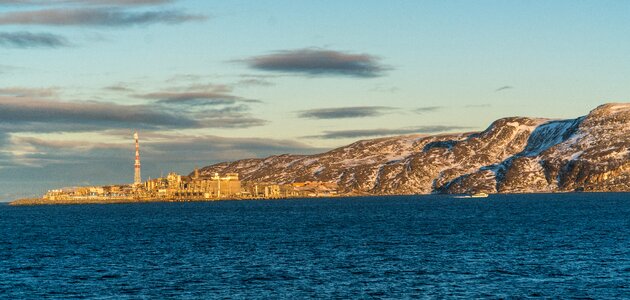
504 246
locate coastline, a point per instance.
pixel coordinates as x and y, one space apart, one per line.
41 201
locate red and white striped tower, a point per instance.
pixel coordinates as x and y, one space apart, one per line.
137 179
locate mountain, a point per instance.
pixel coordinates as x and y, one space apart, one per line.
513 155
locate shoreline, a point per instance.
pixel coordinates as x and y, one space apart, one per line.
41 201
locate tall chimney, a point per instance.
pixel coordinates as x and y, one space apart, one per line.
137 178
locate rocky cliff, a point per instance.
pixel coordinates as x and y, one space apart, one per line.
514 155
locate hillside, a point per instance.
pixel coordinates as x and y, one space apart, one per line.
513 155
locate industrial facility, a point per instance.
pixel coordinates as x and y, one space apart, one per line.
195 187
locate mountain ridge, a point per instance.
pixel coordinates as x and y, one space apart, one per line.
513 155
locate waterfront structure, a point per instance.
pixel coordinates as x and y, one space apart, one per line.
109 192
272 190
195 187
175 186
137 178
171 187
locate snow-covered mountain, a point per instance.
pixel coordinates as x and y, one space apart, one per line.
514 155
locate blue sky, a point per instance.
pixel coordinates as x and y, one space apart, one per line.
209 81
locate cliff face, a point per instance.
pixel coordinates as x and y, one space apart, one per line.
514 155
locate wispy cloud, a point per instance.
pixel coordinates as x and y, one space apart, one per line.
119 2
317 62
39 110
29 92
233 148
19 114
234 121
4 138
119 87
206 98
361 133
484 105
345 112
211 104
426 109
385 89
503 88
254 82
54 145
108 17
32 40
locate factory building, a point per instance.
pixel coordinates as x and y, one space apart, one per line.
175 186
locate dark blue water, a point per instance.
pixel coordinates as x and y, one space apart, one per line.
575 245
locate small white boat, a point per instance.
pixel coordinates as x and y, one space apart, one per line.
475 195
479 195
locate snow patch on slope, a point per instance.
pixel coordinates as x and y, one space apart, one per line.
548 135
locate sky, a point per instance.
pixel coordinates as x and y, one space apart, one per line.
208 81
